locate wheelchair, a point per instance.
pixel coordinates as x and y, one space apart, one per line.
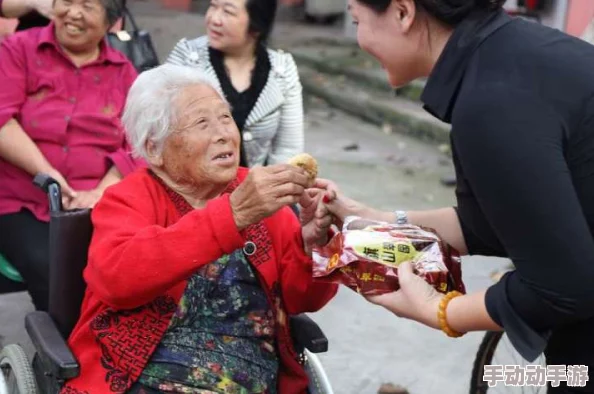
53 363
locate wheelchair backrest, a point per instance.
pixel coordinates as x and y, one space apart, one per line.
70 236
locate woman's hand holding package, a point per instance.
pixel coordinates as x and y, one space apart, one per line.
416 299
265 191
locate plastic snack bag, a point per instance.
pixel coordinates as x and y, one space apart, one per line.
365 256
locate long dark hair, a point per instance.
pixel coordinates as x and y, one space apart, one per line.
262 14
450 12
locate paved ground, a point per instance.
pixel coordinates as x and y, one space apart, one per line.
368 345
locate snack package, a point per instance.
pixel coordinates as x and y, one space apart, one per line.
365 256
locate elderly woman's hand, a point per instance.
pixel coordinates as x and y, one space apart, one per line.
315 218
339 205
266 190
310 200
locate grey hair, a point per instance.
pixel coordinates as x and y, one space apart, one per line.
150 113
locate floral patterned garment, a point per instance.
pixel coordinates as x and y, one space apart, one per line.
221 338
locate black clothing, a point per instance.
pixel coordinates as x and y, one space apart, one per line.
24 242
520 98
30 20
242 102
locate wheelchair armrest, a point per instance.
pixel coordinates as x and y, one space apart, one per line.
307 334
52 350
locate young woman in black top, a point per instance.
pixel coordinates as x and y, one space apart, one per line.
520 99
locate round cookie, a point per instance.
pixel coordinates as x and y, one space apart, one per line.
308 163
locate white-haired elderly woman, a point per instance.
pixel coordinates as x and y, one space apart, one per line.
195 263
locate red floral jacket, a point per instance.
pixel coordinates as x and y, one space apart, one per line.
145 238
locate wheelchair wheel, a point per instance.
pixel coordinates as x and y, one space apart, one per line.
16 375
496 349
318 381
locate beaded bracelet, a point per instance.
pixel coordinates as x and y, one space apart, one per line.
442 317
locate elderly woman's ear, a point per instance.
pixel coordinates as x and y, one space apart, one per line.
153 156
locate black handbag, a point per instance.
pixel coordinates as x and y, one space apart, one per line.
137 45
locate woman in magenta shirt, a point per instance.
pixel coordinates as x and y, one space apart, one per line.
62 93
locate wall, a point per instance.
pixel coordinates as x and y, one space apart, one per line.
589 33
350 30
556 15
572 16
180 5
580 15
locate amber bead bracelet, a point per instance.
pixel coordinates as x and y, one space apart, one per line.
442 317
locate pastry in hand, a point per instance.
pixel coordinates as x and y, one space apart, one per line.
308 163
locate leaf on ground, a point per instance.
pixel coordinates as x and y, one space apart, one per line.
390 388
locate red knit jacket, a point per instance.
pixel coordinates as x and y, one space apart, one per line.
147 242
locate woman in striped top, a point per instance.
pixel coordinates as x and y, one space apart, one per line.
262 85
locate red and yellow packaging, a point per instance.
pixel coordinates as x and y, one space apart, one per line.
365 256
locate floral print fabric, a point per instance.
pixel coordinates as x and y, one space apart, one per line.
221 338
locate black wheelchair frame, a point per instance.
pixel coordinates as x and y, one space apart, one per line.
70 235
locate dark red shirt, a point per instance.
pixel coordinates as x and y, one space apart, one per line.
71 113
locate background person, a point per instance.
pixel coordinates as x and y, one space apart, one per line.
262 85
63 94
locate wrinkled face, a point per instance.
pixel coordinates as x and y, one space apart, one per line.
80 24
227 23
203 148
388 37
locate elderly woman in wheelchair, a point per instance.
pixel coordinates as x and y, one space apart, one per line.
195 264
